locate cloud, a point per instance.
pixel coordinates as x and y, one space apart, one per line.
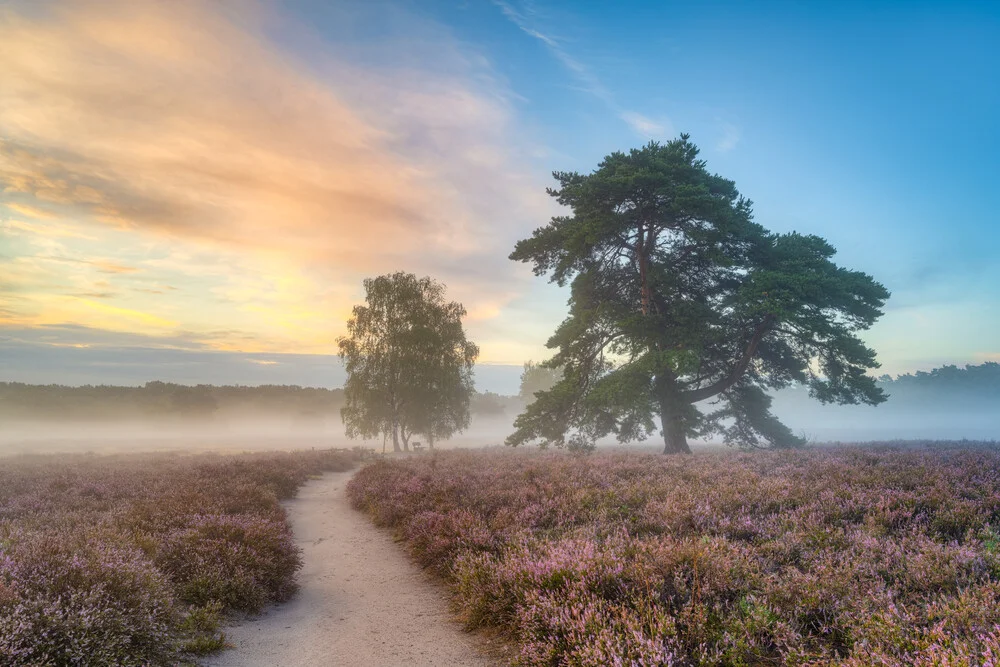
731 136
44 229
647 127
30 211
156 132
73 355
111 267
95 295
589 82
102 265
145 319
174 118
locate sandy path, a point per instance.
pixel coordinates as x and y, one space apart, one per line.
362 601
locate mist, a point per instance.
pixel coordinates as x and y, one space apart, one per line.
222 435
247 430
158 416
947 403
893 420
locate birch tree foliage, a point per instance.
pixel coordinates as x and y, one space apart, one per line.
409 364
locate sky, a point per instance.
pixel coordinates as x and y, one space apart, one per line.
195 191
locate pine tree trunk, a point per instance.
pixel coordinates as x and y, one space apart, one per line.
674 433
430 442
395 438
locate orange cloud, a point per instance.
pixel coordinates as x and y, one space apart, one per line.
30 211
44 229
184 123
112 267
171 116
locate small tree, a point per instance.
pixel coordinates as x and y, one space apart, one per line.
536 378
679 297
409 365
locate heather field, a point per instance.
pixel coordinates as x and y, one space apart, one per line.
131 560
849 556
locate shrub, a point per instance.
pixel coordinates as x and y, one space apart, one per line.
73 601
100 555
859 556
239 561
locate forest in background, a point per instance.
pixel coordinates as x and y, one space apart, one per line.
949 383
949 402
947 397
20 401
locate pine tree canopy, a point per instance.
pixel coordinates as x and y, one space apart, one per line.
683 307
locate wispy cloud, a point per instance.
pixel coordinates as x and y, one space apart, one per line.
29 211
182 144
731 136
102 265
647 127
113 267
43 229
133 316
524 19
581 72
77 355
95 295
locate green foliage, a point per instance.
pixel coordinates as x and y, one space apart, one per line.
409 365
678 296
948 382
241 563
206 644
536 378
201 626
489 404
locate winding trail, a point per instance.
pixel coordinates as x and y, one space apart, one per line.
362 602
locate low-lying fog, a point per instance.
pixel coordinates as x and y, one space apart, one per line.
817 423
948 403
220 434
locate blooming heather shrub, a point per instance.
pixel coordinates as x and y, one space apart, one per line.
201 628
128 560
83 602
242 562
885 555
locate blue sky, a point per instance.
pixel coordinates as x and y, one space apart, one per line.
419 136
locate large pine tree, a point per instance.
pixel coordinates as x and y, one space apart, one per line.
677 298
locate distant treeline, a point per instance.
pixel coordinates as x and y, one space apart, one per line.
980 382
945 403
945 388
163 399
949 384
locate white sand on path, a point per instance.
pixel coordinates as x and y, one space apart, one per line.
362 601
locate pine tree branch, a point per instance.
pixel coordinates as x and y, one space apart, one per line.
739 369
